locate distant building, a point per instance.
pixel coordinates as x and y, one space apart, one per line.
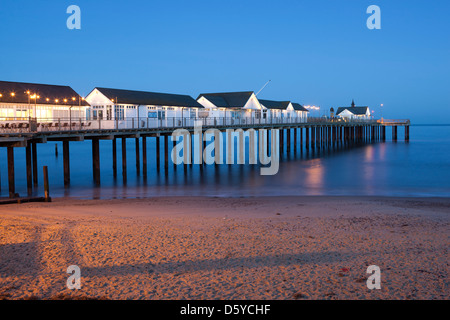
238 105
46 103
140 109
353 112
284 110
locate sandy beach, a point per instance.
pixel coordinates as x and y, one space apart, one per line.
226 248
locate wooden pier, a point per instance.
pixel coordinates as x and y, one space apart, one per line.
313 135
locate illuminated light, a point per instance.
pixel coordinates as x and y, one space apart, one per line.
73 98
12 94
28 92
65 100
56 100
1 95
47 99
82 98
112 100
38 97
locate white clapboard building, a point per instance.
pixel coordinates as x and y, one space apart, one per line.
353 112
43 105
285 111
117 108
242 106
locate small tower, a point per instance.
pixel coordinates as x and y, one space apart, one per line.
353 103
331 112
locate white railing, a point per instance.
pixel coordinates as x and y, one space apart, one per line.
20 125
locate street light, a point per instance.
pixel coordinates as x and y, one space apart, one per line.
381 109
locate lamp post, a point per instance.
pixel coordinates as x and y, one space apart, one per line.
381 110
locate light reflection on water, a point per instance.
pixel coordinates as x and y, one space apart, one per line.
418 168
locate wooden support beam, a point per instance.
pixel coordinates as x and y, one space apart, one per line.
158 157
29 169
166 153
11 180
288 142
66 161
34 158
114 156
46 184
307 139
144 157
174 144
96 161
124 160
138 157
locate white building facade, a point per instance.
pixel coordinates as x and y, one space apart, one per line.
116 108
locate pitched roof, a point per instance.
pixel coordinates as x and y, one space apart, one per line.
228 99
149 98
271 104
355 110
299 107
44 91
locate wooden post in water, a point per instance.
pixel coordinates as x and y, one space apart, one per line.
288 138
281 142
138 157
29 170
295 140
394 133
66 163
191 149
158 157
406 133
96 161
114 156
11 180
200 150
166 153
35 166
186 151
46 184
174 144
301 139
307 140
144 157
124 160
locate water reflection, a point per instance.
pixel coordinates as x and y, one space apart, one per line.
418 168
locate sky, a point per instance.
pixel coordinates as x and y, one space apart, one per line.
315 52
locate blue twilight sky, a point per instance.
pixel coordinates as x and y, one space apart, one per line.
314 51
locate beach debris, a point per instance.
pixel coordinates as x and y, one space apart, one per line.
299 295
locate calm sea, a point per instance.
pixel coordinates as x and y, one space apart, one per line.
418 168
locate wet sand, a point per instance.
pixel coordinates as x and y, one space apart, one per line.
226 248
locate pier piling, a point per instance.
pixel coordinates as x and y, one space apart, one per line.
124 160
29 169
66 163
11 179
144 157
96 161
138 157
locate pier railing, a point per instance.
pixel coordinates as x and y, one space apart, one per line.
24 125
